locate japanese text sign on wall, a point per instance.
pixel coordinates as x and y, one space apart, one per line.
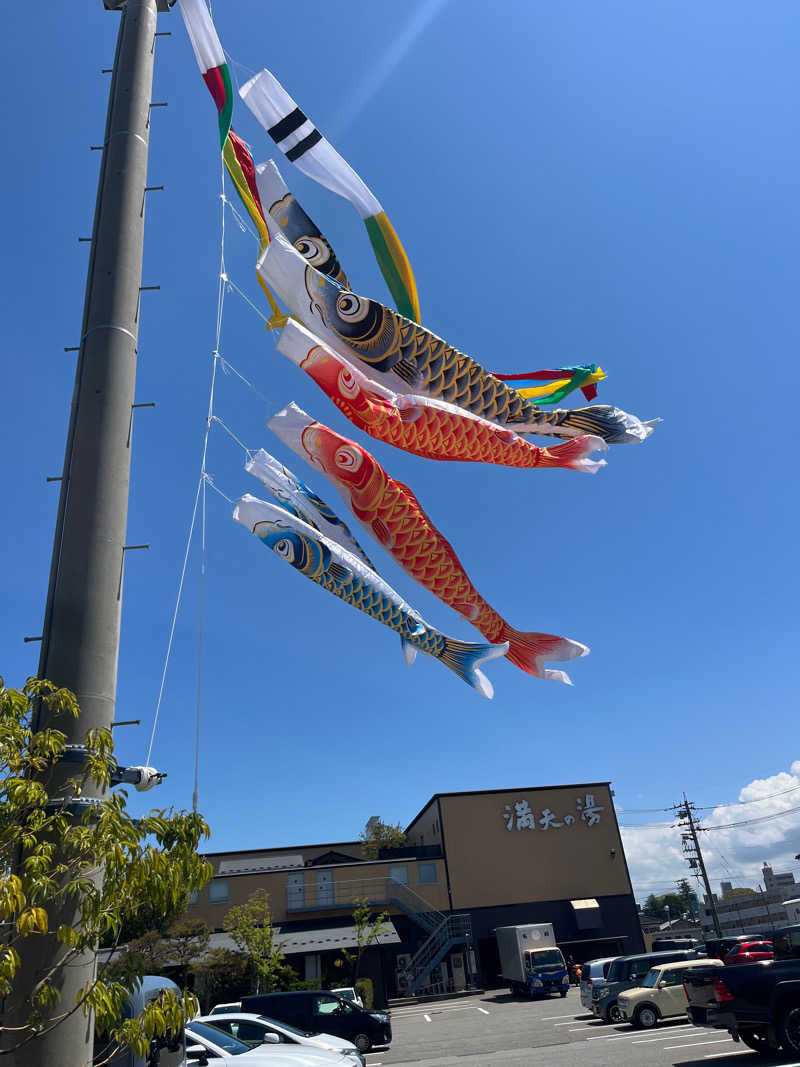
521 815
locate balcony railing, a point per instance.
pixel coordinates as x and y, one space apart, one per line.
328 896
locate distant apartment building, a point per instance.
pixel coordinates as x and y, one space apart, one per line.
752 911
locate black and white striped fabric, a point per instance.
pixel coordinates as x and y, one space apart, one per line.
302 143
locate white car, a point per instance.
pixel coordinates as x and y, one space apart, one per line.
206 1044
349 993
253 1030
225 1009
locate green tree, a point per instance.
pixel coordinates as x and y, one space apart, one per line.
378 834
656 907
147 954
250 927
736 894
368 928
49 862
186 945
223 975
689 899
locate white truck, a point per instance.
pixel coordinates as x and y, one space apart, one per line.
530 961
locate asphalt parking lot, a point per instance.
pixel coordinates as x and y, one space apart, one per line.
498 1030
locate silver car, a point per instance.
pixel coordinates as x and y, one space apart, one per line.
591 972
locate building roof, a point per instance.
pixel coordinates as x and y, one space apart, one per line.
324 939
285 848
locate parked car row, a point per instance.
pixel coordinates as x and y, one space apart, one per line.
758 1002
629 973
644 989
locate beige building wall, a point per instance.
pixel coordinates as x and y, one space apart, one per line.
535 844
426 828
347 883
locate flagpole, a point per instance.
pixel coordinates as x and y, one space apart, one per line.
80 638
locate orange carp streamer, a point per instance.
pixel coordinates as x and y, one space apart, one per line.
423 426
391 512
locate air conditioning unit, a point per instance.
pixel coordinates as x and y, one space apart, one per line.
402 974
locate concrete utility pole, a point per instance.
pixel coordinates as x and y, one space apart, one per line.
80 639
685 812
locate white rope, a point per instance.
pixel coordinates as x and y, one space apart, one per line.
226 366
199 494
217 489
247 300
232 435
204 479
244 225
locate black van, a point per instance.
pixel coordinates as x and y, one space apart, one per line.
320 1011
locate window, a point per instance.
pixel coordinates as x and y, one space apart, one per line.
399 874
426 873
217 892
673 977
194 897
330 1005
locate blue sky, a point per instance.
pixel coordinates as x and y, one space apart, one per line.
609 183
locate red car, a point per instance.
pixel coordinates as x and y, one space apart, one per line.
750 952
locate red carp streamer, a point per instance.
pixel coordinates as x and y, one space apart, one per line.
391 512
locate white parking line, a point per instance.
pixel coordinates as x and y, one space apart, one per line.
549 1018
635 1033
435 1011
663 1037
485 1012
427 1018
695 1044
722 1055
574 1020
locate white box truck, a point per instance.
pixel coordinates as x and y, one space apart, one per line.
531 963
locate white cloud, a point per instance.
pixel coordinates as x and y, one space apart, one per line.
736 853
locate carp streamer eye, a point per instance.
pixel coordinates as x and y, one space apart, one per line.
348 385
351 307
347 458
313 250
285 549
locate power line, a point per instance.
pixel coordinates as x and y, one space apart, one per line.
710 807
751 822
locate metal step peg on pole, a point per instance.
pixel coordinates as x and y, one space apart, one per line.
80 635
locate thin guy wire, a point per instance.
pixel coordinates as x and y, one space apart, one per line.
174 621
203 474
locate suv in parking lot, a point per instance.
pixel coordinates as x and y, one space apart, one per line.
625 973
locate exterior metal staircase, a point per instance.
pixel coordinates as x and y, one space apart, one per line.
452 931
443 932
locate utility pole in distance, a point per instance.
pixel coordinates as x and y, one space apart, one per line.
695 856
80 638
